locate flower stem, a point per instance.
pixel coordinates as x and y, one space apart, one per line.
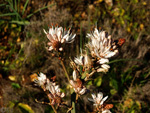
64 68
89 75
73 101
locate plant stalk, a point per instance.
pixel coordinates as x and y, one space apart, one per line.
64 68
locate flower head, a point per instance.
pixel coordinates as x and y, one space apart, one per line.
54 91
101 45
57 36
77 84
85 61
99 102
55 94
41 79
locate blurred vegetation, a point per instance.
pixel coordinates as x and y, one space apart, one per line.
22 49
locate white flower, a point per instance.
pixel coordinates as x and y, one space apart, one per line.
41 79
77 84
79 60
57 36
101 45
99 100
84 60
55 93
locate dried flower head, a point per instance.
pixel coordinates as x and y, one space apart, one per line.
77 84
99 103
57 36
55 94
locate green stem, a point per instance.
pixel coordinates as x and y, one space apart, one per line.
62 63
73 101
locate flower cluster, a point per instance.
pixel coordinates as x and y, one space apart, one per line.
57 36
101 48
54 93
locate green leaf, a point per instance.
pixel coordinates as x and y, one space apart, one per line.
15 85
113 83
2 5
7 14
98 81
89 83
40 10
20 22
113 91
133 111
25 5
25 108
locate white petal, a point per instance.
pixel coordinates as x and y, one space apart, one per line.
72 83
63 40
105 66
90 99
82 91
44 31
74 75
100 96
60 49
103 60
52 89
62 95
59 34
101 70
103 100
78 61
93 96
50 48
110 54
56 87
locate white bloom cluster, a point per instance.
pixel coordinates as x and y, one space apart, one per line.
54 89
102 47
57 36
99 101
41 79
77 84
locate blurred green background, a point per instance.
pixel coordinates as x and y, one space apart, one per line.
23 53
